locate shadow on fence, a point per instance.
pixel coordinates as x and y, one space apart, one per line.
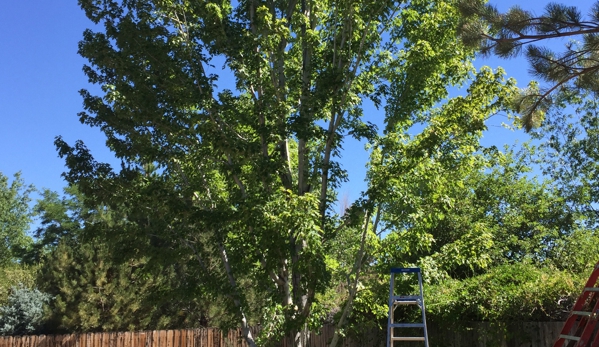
533 334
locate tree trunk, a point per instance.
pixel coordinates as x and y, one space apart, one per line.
245 328
353 290
301 338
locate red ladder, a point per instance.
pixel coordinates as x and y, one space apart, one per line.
580 325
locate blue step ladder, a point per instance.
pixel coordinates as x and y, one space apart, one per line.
398 300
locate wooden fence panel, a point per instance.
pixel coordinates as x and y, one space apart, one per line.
230 339
95 340
181 339
161 339
155 339
65 340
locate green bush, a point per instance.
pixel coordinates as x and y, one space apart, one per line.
511 292
24 311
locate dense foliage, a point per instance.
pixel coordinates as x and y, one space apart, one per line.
485 233
506 293
93 293
95 289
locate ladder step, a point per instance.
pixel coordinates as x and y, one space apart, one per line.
569 337
582 313
591 289
397 270
407 325
406 297
407 338
406 302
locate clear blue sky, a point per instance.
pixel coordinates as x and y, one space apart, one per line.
40 76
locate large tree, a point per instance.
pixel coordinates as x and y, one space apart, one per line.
229 118
506 34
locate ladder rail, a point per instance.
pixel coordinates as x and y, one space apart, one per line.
423 309
580 324
390 316
589 328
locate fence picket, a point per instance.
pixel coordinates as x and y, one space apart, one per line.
197 338
169 338
143 340
153 336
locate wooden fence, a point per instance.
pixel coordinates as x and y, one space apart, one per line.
469 335
516 334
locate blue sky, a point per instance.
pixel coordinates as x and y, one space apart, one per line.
40 76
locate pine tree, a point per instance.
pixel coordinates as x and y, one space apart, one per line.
98 289
94 293
507 34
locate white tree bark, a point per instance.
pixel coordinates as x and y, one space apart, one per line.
354 285
245 328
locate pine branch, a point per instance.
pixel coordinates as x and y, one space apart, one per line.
483 26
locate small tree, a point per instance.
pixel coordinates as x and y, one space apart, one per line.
15 217
24 312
